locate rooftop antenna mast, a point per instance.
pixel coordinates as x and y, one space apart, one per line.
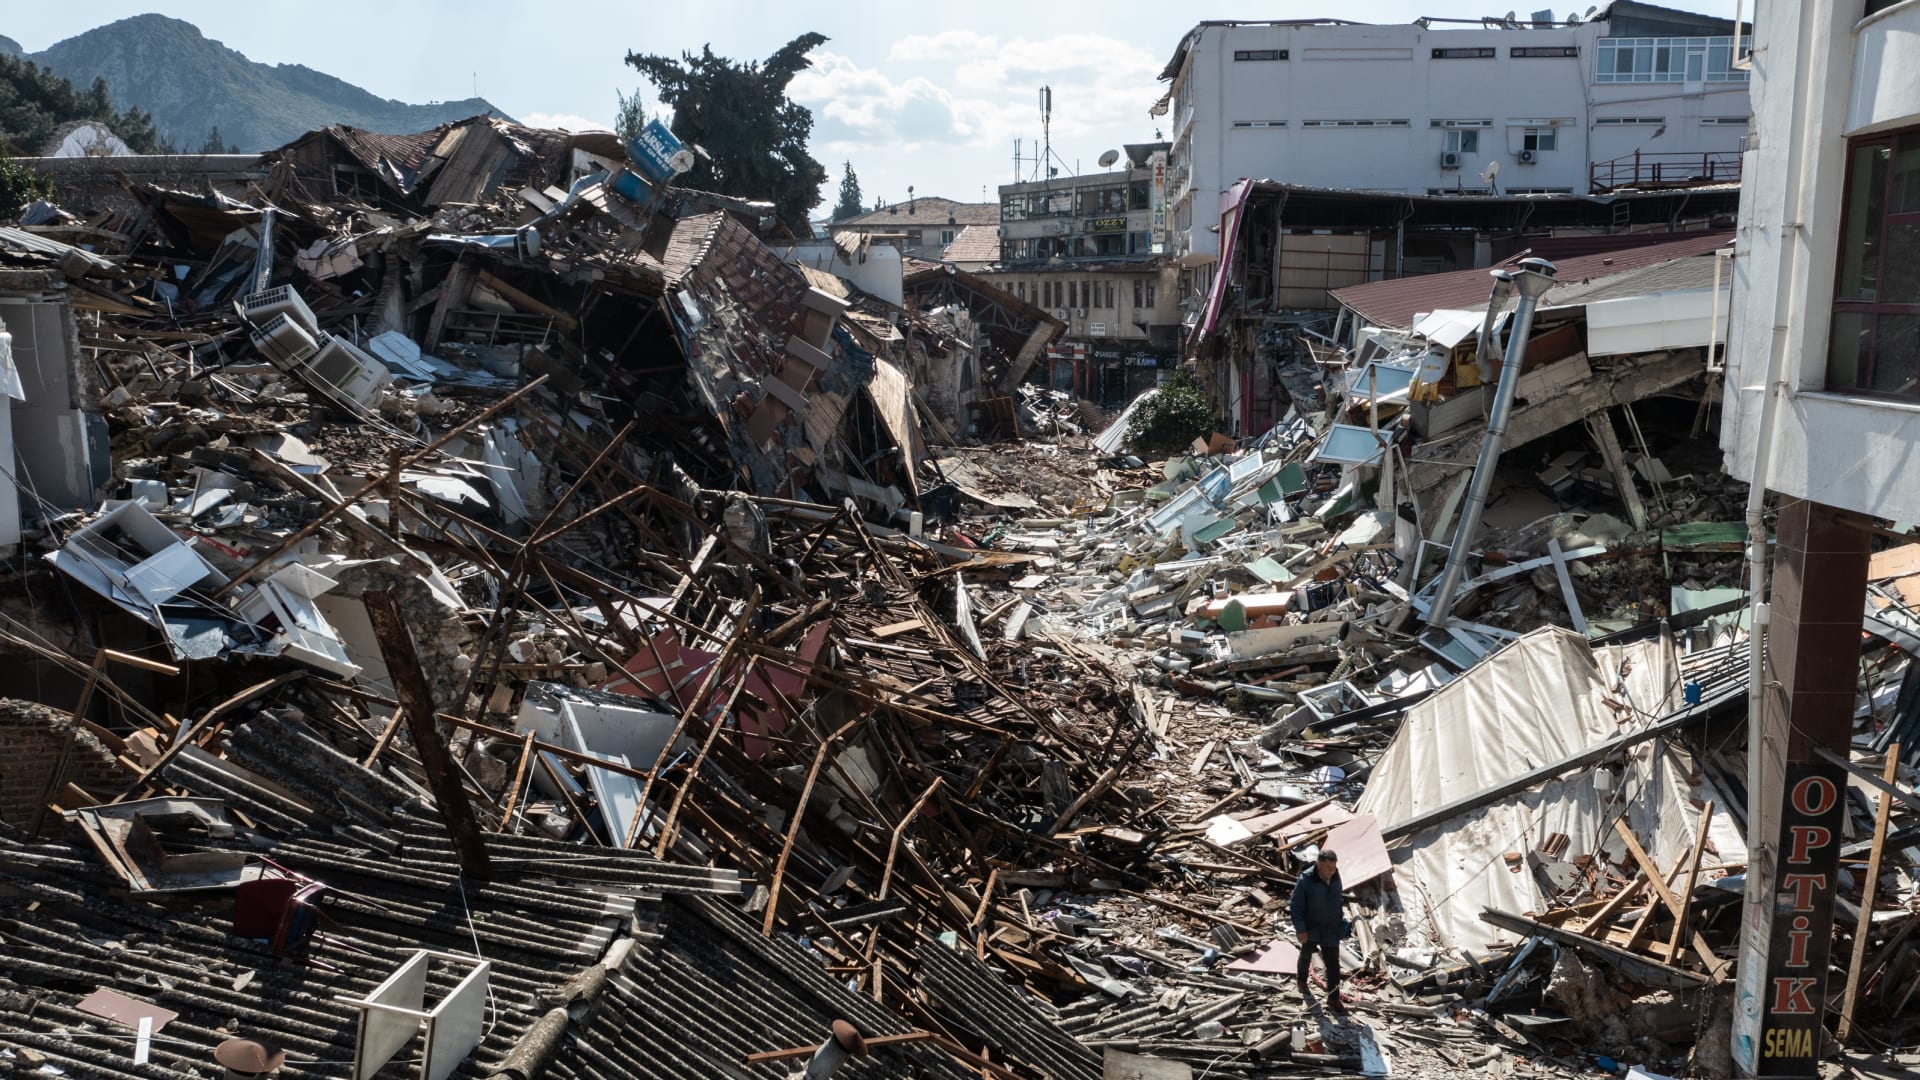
1046 131
1019 162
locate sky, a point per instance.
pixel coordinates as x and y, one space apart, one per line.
927 96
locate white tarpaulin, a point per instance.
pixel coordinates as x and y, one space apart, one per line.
1545 697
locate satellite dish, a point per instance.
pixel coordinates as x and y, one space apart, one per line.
1513 16
681 162
1107 159
1590 13
1488 174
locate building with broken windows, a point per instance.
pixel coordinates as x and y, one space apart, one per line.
1629 96
1082 248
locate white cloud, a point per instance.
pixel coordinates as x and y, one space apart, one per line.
564 121
963 89
947 43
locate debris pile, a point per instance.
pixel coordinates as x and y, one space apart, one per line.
471 578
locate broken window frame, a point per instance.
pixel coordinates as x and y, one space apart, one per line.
1867 262
1540 140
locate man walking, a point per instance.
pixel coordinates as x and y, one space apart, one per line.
1317 920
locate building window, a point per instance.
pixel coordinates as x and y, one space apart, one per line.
1876 300
1690 59
1259 123
1541 52
1137 295
1352 123
1020 290
1465 54
1874 6
1046 288
1624 121
1149 294
947 235
1460 123
1463 142
1539 139
1725 121
1259 54
1109 304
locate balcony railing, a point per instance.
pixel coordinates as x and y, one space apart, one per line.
1667 170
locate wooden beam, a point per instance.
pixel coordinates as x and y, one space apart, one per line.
1693 879
410 682
1863 929
793 826
1715 965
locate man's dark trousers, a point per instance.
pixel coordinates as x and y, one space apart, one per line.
1330 956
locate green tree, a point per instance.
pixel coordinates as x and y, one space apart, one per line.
34 103
19 186
631 118
1169 421
213 143
849 205
755 137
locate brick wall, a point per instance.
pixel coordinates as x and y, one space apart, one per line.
31 740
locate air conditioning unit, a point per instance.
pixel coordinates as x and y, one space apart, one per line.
284 341
1080 313
1449 159
1063 314
346 370
1528 157
261 307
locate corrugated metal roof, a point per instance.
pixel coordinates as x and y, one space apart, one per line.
1395 303
1694 272
21 240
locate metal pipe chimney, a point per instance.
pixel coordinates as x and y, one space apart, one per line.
1532 280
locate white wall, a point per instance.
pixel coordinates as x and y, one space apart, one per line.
1389 73
1812 60
877 273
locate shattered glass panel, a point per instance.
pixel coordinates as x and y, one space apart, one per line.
1350 444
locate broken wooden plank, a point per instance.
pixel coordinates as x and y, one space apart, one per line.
1861 929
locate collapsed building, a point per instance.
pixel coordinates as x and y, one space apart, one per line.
487 611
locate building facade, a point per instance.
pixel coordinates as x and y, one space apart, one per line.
1082 248
1822 409
1638 96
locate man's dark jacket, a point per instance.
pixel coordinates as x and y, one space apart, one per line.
1316 908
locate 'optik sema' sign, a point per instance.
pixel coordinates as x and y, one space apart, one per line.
1796 987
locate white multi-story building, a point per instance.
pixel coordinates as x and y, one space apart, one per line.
1635 96
1822 410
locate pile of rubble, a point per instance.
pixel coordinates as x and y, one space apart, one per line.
534 620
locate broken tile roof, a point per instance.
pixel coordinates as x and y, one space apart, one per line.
927 212
975 244
1395 303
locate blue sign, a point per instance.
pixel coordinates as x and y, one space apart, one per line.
654 151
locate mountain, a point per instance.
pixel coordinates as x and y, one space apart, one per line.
10 47
192 84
